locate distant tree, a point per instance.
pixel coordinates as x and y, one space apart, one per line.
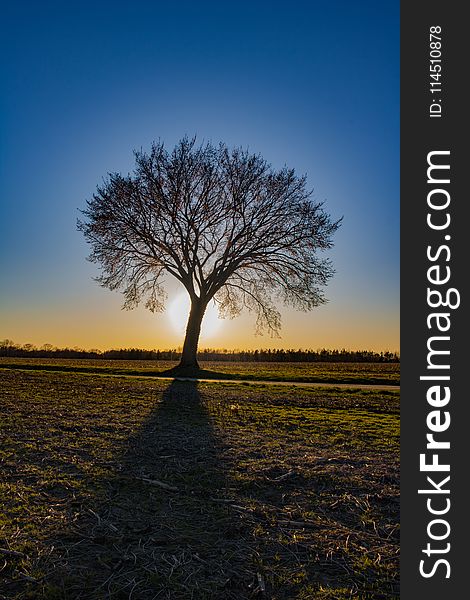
222 222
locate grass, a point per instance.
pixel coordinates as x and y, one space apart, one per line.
118 487
315 372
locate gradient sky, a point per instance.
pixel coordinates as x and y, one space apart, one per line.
314 85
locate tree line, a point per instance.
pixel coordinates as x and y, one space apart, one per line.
9 349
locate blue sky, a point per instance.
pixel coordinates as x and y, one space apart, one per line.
314 85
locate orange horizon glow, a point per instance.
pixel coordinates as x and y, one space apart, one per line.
102 325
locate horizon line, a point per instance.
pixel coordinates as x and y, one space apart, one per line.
46 347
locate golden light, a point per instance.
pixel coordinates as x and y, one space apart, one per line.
178 312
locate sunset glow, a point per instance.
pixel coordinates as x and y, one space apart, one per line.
178 311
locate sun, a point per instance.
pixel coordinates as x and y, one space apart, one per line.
178 311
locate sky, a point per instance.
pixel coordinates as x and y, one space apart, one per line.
313 85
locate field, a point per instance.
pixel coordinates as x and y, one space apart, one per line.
327 372
134 487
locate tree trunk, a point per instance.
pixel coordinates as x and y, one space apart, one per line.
193 330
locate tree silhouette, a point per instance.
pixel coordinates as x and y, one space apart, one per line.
221 221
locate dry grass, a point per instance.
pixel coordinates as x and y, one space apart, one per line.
132 488
322 372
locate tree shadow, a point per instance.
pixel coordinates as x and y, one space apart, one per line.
190 373
162 525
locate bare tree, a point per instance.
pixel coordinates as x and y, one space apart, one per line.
222 222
